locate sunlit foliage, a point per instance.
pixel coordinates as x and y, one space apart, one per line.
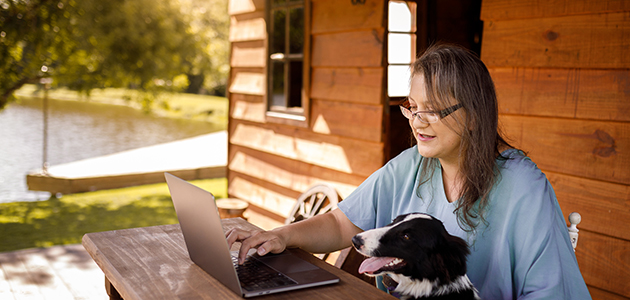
85 44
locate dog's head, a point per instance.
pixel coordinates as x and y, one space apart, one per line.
415 246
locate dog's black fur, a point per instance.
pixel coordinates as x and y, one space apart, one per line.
416 251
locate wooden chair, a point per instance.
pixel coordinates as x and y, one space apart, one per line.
317 200
574 219
320 199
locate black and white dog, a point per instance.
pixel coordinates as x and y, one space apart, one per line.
416 252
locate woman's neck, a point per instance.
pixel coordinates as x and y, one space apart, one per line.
451 178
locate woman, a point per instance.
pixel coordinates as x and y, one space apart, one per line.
464 173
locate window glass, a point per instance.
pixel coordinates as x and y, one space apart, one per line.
398 80
278 38
400 48
295 84
296 30
277 82
400 19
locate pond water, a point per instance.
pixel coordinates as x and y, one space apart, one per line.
76 130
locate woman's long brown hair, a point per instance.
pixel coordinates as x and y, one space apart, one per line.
454 73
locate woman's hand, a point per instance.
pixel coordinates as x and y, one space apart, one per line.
263 241
320 234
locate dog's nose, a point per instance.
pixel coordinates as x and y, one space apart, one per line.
357 242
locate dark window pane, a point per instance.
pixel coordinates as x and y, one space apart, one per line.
277 93
295 84
278 34
286 46
296 30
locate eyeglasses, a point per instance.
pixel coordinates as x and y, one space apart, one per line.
429 117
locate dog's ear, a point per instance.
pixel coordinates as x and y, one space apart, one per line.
459 250
450 257
459 244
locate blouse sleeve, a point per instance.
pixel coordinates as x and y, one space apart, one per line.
360 206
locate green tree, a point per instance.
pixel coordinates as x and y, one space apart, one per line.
209 23
87 44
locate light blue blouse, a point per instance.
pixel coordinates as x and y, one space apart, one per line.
523 250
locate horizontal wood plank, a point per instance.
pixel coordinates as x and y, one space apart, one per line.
567 93
248 27
332 16
247 107
583 41
345 155
288 173
250 82
604 262
518 9
590 149
277 200
364 122
358 85
604 206
348 49
248 54
245 6
599 294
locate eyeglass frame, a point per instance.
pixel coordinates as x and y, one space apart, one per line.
442 113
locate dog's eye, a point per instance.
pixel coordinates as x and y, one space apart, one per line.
406 237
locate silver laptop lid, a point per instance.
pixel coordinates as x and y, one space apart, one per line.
201 226
205 239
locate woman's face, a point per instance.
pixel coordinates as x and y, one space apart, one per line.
435 140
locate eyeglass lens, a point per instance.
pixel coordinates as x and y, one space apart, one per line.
425 117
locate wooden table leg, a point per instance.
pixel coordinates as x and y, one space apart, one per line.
111 290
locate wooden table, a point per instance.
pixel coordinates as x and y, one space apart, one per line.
153 263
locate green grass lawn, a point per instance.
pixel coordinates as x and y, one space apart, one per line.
65 220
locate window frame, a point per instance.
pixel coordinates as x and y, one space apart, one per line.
415 43
301 117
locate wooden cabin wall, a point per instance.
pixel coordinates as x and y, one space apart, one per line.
562 73
271 164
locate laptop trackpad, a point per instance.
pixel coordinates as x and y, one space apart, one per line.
287 263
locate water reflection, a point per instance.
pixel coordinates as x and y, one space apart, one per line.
76 130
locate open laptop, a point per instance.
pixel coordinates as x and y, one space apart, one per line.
207 247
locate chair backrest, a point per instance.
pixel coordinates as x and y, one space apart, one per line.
574 219
318 199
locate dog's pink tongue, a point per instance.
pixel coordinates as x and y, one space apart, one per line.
372 264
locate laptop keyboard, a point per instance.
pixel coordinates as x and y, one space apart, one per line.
255 275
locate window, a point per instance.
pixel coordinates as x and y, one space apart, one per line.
401 46
285 72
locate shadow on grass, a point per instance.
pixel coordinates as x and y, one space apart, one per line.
57 222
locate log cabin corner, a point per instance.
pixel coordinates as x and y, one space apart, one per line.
315 84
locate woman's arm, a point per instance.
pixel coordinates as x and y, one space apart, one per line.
323 233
